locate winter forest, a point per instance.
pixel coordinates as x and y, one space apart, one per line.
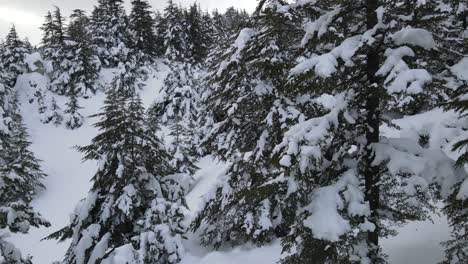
307 131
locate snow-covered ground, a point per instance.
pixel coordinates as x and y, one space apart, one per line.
69 180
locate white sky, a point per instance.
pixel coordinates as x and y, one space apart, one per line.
28 15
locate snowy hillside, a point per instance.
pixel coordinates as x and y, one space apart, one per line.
308 131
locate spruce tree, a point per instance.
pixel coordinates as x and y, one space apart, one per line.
136 203
250 115
197 43
53 114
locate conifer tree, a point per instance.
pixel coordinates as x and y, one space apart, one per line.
53 114
177 108
143 28
110 32
312 146
197 43
20 178
73 119
456 203
249 113
136 203
13 53
84 62
175 37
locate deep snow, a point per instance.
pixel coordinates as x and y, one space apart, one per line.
68 181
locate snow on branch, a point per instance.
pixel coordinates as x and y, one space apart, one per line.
427 166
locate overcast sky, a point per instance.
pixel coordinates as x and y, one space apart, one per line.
28 15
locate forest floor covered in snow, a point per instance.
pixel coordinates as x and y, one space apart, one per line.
68 181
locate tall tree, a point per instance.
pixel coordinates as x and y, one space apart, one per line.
136 203
13 53
85 65
142 26
175 37
20 178
110 32
303 132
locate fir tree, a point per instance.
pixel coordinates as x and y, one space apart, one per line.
197 43
85 65
110 32
250 116
177 108
135 202
303 132
456 203
20 178
143 28
13 53
175 37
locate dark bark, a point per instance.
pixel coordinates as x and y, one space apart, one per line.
371 173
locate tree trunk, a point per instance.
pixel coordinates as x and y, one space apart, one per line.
371 173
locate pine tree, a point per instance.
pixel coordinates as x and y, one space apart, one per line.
143 28
136 203
110 32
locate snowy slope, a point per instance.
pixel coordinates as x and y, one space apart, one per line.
68 182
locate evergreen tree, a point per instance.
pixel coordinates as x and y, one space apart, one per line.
250 115
84 62
177 107
143 28
175 37
197 43
73 119
20 177
456 203
303 132
13 53
136 203
110 32
53 115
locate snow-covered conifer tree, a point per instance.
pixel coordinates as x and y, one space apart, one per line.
20 178
177 107
73 119
250 113
13 53
142 26
110 32
309 139
175 37
136 202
